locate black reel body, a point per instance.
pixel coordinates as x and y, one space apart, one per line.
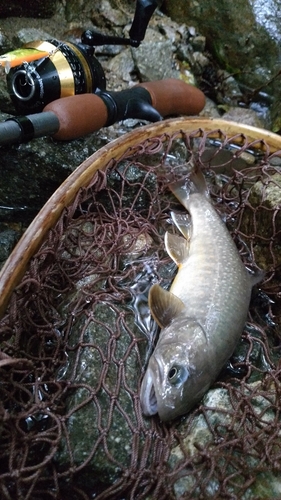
68 70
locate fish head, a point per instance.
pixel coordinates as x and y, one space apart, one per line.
179 371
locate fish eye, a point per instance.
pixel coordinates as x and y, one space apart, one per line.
177 374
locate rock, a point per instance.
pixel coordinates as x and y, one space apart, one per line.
186 74
200 432
243 115
121 68
243 35
77 12
106 14
199 43
210 109
27 35
154 58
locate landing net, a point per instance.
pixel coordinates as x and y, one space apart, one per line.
77 335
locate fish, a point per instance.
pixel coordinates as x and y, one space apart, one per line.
203 314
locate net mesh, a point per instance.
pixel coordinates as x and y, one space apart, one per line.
77 335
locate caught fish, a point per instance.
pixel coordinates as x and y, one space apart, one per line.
203 315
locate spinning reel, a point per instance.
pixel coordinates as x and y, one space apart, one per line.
69 68
63 87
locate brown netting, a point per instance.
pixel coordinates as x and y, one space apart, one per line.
77 335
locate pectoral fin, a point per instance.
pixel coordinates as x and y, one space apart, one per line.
177 247
164 306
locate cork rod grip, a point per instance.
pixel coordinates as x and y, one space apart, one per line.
175 97
83 114
78 115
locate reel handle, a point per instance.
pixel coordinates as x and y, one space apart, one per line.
85 113
143 13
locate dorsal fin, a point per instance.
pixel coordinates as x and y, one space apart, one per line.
164 305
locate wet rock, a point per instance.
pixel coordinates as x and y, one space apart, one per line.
244 36
200 432
243 115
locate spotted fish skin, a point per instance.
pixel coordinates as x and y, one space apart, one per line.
203 314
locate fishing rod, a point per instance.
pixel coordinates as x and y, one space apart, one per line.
72 117
59 88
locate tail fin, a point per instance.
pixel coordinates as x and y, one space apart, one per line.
195 183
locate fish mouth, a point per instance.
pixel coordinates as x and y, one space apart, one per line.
148 395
